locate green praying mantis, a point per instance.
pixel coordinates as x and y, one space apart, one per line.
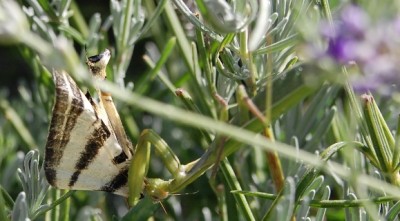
88 149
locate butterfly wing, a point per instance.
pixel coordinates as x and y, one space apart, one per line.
82 152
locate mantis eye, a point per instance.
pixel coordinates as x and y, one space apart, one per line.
100 58
95 58
159 195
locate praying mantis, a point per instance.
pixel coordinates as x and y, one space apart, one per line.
88 149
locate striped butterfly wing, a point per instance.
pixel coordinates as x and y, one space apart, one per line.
82 151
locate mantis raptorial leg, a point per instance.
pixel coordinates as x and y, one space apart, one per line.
158 189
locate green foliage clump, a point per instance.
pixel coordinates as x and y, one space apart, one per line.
243 86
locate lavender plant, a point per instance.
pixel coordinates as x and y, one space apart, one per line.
292 108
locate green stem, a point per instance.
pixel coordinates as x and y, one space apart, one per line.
54 204
326 203
126 26
183 43
65 207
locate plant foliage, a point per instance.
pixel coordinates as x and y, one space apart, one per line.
291 109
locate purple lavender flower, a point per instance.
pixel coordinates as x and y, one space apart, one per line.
374 47
348 31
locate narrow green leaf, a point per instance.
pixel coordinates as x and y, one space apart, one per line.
180 35
20 211
322 128
63 7
48 9
314 186
7 200
396 151
234 184
304 206
285 196
321 99
3 204
278 46
42 210
18 124
194 20
311 174
379 132
352 213
321 212
144 83
73 32
153 17
289 195
65 208
142 211
78 21
394 212
162 76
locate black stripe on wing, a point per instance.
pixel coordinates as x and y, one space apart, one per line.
92 147
59 134
119 181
